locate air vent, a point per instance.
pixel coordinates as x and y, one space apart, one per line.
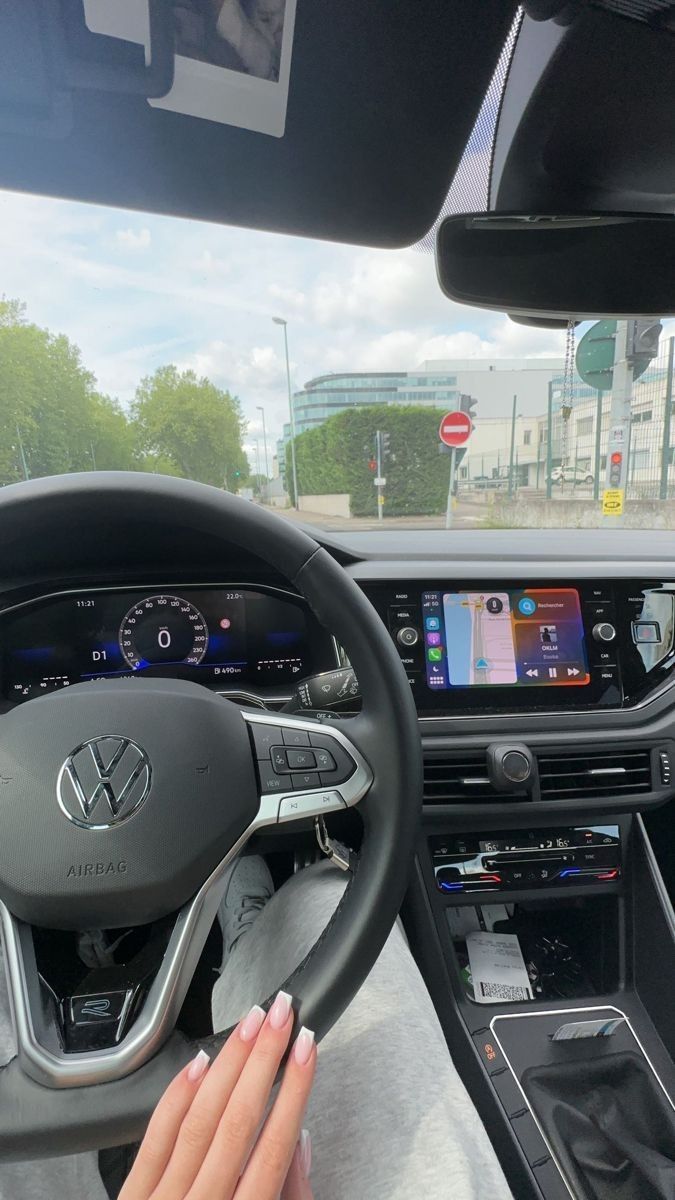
597 773
456 780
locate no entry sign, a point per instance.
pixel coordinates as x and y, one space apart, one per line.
455 428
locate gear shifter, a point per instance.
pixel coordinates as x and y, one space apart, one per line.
328 691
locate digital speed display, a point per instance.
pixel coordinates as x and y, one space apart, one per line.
163 629
224 638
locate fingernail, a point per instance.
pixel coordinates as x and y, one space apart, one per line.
198 1066
252 1024
305 1153
304 1044
280 1010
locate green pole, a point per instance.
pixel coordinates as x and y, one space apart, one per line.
667 414
549 444
513 445
598 435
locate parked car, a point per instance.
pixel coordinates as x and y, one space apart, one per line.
572 474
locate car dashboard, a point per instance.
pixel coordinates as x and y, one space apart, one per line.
250 642
563 642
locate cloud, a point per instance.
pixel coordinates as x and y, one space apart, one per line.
137 293
133 239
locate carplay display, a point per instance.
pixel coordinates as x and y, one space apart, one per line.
531 637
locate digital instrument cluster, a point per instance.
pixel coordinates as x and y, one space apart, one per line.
226 638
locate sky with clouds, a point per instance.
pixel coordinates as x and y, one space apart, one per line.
135 291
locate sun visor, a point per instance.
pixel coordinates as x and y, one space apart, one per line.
334 119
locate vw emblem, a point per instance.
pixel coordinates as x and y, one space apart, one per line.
103 782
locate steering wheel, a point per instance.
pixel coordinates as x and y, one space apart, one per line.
123 801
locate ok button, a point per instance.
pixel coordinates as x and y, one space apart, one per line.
301 760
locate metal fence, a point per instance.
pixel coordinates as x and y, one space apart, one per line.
553 458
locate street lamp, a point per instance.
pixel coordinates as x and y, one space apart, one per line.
281 321
267 464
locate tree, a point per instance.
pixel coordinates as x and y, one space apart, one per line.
191 426
334 457
52 420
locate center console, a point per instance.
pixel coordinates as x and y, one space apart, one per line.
525 646
537 910
549 951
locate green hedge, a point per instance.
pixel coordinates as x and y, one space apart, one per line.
334 458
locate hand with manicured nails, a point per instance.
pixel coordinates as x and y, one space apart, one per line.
205 1141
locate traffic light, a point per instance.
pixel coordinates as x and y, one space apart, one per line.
468 404
643 344
615 462
385 445
372 464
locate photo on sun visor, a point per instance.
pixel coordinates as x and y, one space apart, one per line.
233 57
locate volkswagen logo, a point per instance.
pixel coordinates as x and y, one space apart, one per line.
103 782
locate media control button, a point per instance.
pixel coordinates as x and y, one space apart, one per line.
293 807
408 636
404 615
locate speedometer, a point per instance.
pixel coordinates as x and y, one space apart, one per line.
163 630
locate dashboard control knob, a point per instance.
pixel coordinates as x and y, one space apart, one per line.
604 632
408 636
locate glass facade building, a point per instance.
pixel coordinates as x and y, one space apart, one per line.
328 395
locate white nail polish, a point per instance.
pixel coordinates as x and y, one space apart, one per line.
198 1066
280 1010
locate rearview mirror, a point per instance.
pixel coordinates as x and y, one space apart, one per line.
595 265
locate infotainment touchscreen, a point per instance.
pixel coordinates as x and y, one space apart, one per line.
528 638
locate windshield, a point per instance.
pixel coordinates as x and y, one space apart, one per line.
333 383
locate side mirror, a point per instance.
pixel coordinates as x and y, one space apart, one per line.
571 267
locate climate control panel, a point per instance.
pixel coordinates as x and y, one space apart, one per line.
534 858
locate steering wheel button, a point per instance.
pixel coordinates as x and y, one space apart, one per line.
324 760
305 779
279 760
343 764
293 807
301 760
295 737
269 780
264 737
